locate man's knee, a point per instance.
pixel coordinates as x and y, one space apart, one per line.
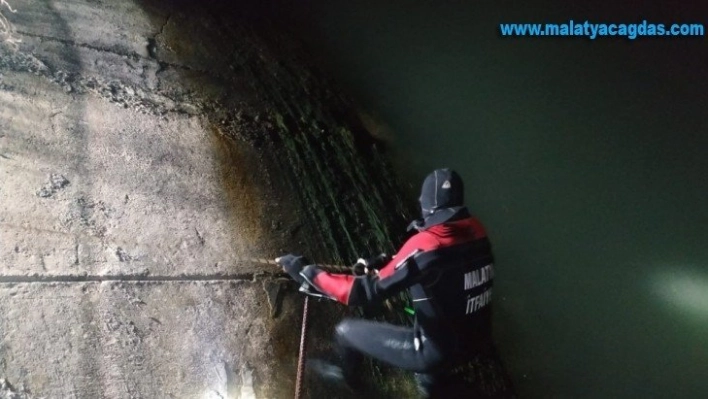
348 329
343 334
355 335
343 327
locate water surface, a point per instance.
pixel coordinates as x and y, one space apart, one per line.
586 159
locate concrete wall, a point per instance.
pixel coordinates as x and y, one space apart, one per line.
143 174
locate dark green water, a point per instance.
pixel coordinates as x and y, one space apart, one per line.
588 161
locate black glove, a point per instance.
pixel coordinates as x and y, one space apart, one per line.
310 273
293 265
374 263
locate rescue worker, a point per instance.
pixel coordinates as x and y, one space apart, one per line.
447 267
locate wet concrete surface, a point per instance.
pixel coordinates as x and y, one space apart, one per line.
149 152
118 339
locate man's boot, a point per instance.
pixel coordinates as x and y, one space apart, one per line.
334 374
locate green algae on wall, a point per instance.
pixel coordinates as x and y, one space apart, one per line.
337 167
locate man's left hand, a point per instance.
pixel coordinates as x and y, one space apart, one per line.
293 265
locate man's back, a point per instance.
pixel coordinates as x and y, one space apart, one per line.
453 299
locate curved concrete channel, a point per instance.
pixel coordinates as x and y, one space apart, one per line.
149 152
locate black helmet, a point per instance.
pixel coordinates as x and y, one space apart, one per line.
441 198
441 189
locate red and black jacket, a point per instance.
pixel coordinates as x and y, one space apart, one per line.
448 270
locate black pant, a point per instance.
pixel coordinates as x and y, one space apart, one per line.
390 344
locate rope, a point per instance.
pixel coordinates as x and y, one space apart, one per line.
265 261
301 356
327 268
127 245
303 332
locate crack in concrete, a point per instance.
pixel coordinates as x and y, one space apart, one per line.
98 278
152 41
116 92
132 55
152 48
69 42
77 257
163 65
162 28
